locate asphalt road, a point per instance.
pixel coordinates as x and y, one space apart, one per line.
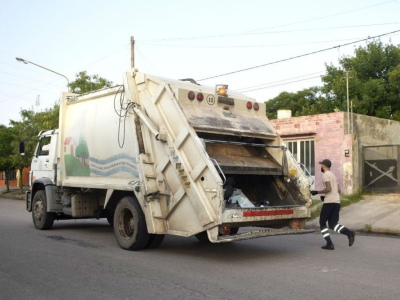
81 260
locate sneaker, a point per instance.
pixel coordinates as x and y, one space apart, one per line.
351 238
328 247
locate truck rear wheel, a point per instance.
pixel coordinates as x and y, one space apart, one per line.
130 225
41 218
202 237
155 240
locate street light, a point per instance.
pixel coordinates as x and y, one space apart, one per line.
29 62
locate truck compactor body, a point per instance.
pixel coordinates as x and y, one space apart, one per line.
158 156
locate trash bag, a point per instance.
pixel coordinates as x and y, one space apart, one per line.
240 199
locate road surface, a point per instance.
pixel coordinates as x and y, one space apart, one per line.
82 260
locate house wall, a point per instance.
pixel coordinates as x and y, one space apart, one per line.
13 183
376 131
372 131
330 142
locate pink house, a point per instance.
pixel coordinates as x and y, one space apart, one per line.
363 149
69 146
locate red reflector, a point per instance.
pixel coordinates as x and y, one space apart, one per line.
191 95
200 97
268 213
256 106
249 105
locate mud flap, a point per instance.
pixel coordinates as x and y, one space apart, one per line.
28 201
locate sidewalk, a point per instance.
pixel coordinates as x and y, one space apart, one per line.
15 193
373 214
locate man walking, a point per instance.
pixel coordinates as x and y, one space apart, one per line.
331 207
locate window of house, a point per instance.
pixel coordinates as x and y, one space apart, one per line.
303 152
12 175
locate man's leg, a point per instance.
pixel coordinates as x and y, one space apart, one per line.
334 225
323 218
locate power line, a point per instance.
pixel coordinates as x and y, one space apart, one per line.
329 16
268 84
184 39
302 43
297 56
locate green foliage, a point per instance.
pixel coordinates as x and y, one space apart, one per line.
374 86
6 160
347 200
306 102
27 130
85 83
368 228
374 81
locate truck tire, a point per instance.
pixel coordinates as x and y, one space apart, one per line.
202 237
155 241
130 225
110 219
41 218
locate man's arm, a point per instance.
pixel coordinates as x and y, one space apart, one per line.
327 189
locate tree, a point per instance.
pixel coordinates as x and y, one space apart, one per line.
27 130
374 83
305 102
374 86
6 161
85 83
82 151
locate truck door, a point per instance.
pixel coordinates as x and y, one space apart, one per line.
44 158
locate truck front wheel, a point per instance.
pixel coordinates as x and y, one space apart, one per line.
41 218
130 225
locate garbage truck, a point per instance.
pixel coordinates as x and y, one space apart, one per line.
157 156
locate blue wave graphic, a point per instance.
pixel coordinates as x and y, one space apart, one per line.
115 171
114 165
113 158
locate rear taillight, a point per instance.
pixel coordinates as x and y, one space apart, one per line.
225 229
254 105
191 95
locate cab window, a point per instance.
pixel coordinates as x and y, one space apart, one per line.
44 146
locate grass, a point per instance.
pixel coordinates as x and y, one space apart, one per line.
368 228
345 200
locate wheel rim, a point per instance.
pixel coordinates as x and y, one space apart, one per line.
38 210
126 224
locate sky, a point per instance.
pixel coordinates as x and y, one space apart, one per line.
259 47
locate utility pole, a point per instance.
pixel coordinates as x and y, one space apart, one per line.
132 52
348 103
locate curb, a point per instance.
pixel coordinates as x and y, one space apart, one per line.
13 194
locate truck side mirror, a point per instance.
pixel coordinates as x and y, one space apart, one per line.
22 148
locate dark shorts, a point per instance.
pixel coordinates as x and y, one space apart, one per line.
330 214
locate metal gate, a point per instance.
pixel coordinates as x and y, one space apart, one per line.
381 168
